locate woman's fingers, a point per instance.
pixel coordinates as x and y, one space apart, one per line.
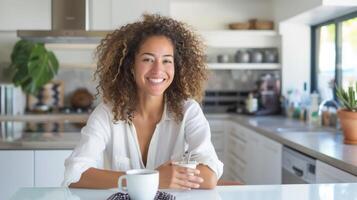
187 178
185 170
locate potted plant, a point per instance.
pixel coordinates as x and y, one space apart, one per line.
348 114
33 66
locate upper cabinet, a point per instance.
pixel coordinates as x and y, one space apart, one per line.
111 14
25 14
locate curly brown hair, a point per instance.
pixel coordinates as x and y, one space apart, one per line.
116 55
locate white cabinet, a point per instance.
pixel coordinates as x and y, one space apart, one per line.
49 167
218 136
25 14
328 174
29 168
252 158
16 170
269 161
111 14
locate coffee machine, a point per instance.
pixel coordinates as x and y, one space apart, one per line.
268 95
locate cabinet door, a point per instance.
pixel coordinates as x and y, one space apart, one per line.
217 134
25 14
236 165
124 11
328 174
270 158
49 167
259 157
253 158
16 170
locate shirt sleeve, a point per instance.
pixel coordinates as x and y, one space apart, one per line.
89 151
198 137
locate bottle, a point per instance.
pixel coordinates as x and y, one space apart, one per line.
251 103
305 103
313 116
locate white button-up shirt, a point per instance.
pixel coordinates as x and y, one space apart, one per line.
114 146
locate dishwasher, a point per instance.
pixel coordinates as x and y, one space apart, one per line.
298 168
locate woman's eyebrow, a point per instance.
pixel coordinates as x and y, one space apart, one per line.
153 55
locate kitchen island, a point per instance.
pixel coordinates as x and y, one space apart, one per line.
342 191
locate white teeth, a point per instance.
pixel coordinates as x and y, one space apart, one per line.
156 80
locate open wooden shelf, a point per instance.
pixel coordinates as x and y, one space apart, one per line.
243 66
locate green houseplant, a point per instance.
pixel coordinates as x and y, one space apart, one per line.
33 66
348 113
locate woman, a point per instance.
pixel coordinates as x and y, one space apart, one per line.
149 73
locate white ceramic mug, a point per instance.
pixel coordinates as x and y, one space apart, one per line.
141 184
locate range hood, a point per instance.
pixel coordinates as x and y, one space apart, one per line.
69 25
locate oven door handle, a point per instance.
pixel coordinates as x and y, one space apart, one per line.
298 172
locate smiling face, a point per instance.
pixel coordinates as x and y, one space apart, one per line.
154 66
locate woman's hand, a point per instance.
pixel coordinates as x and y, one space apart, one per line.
176 177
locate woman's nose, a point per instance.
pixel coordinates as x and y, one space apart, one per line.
157 65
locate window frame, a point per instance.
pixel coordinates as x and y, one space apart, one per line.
338 48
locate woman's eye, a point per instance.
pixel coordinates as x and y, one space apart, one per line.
148 60
167 61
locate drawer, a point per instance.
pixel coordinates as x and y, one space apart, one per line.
218 141
216 125
237 171
239 136
237 147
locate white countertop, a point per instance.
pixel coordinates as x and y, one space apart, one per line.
346 191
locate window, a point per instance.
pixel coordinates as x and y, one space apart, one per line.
334 55
349 52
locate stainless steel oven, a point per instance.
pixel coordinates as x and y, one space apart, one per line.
298 168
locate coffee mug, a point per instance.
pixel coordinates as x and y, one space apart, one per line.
141 184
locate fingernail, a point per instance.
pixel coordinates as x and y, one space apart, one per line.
201 180
197 186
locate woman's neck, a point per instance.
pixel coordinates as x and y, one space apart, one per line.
150 107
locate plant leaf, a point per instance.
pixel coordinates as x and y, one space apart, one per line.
42 67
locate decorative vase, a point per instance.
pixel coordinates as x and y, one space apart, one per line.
348 121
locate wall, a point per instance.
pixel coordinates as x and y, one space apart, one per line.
286 9
296 55
7 41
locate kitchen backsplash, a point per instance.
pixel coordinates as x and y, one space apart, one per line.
219 80
238 80
77 78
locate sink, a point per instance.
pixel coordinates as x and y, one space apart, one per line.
297 129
